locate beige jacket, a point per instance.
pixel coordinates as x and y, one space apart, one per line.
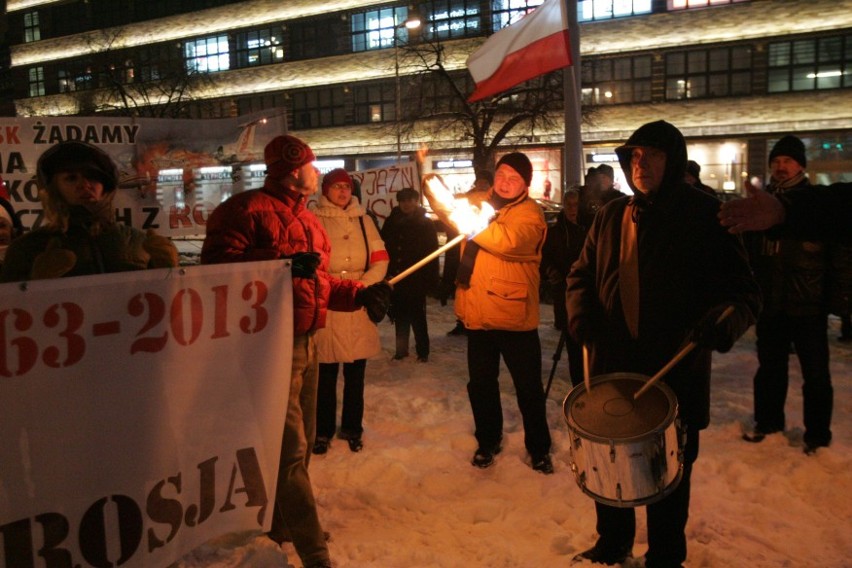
348 336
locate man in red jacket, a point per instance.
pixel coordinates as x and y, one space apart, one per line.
273 222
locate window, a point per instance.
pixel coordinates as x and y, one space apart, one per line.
589 10
207 54
36 79
687 4
375 29
717 72
317 108
450 19
810 64
616 81
375 102
317 38
507 12
259 47
32 31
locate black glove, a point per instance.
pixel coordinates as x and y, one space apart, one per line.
376 299
710 333
555 277
304 264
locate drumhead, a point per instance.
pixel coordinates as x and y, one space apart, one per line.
608 411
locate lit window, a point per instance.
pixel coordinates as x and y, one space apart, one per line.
207 54
376 29
36 80
32 31
810 64
450 19
589 10
507 12
687 4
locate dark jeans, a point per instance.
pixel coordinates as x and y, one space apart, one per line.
666 519
352 415
809 335
521 351
410 314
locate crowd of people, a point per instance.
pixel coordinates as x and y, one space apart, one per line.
634 278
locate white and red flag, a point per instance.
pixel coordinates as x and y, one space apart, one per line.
535 45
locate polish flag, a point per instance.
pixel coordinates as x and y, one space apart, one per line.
535 45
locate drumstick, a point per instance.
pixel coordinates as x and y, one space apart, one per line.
586 379
681 354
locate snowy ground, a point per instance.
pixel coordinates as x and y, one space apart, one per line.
412 499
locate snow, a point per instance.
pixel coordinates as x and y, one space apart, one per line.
412 499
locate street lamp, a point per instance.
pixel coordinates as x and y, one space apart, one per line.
411 22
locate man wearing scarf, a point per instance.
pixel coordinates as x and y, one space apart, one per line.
657 271
792 276
497 301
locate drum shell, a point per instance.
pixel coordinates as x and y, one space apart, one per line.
624 469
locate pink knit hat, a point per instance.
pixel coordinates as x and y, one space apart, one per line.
333 177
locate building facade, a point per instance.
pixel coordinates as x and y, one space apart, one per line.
733 75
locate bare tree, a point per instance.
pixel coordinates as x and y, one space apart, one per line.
436 102
148 81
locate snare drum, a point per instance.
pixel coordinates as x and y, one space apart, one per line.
624 452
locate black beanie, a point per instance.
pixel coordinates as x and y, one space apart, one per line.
792 147
520 163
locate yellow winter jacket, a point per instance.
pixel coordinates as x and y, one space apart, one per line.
503 291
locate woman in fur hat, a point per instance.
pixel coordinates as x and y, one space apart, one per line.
80 236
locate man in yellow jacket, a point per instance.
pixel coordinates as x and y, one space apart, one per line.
497 300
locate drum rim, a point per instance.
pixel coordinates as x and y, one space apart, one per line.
631 503
580 388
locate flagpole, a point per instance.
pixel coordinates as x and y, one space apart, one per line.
573 162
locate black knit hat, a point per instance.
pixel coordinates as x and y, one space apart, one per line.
520 163
792 147
693 169
407 193
74 156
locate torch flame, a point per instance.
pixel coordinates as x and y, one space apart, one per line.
466 217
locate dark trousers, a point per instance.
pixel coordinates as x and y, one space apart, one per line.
666 519
410 315
352 414
809 335
521 351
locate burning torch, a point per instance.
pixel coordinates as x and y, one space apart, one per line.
468 218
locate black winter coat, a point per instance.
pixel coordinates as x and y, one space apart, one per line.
791 273
409 238
688 265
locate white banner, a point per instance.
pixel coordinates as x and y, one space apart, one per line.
172 172
142 412
379 186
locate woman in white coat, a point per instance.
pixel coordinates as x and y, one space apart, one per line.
357 253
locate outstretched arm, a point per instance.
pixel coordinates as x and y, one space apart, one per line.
758 211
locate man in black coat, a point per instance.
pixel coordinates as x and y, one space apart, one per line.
562 247
679 271
792 275
409 235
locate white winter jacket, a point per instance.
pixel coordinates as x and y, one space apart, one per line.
349 336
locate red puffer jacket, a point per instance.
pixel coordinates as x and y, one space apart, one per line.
270 223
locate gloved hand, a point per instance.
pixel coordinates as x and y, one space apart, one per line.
163 253
554 277
376 299
711 333
304 264
53 262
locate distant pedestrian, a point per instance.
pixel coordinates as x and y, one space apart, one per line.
409 235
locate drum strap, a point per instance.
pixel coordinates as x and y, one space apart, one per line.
628 271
